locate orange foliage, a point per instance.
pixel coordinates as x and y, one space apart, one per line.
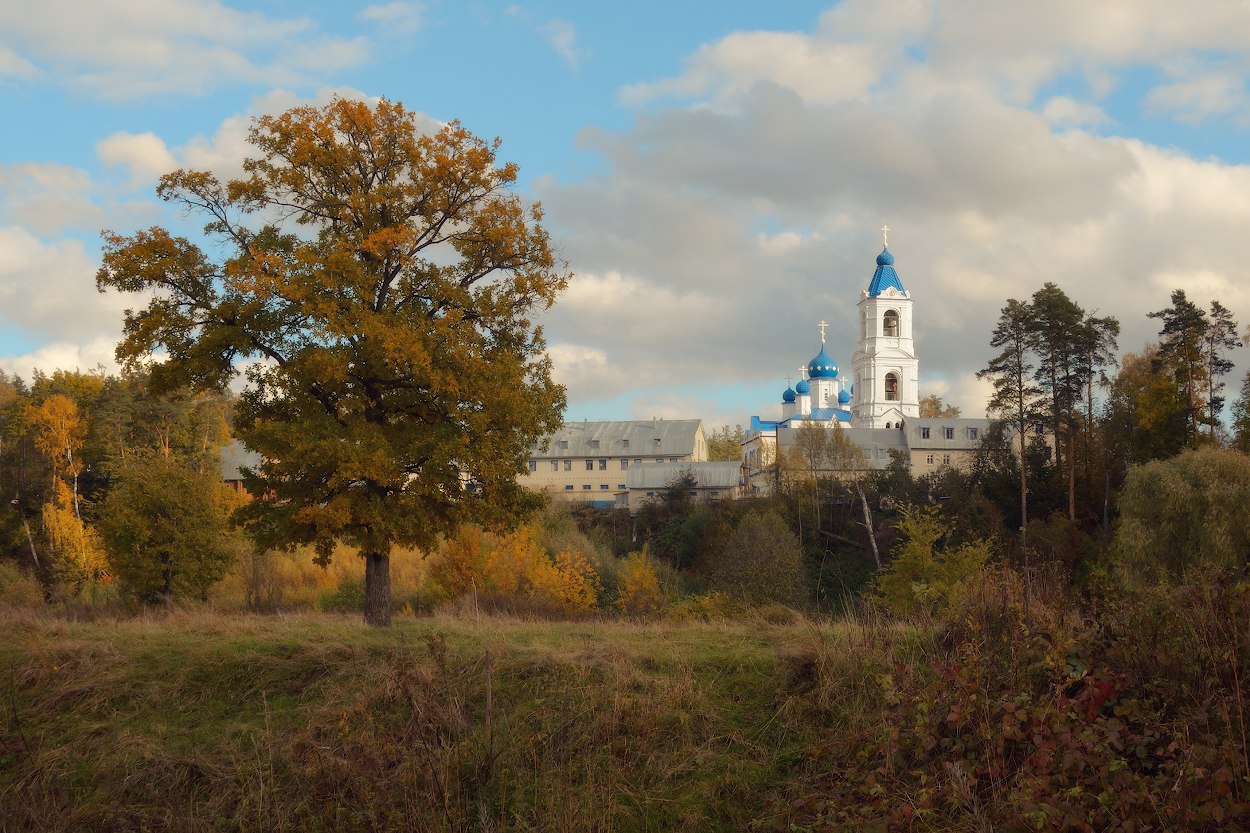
514 568
640 592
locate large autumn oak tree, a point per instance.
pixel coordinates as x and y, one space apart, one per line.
379 285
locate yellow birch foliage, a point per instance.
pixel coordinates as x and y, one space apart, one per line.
77 552
514 568
640 592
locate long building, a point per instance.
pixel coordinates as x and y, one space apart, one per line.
589 462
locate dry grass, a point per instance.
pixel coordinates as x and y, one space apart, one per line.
199 721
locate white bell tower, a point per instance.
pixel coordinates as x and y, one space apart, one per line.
884 369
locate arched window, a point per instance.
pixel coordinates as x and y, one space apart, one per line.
891 387
890 323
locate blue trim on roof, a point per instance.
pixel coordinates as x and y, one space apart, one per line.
885 277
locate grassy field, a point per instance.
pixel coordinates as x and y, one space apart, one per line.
1019 710
315 722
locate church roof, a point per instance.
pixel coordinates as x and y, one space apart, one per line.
823 366
885 277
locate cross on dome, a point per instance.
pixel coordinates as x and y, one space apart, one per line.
823 325
885 236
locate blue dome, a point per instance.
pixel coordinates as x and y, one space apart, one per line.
844 397
885 258
788 396
802 388
823 366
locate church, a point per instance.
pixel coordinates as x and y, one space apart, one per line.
877 404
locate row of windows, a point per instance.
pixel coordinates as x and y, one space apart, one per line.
595 443
586 487
946 459
603 463
949 433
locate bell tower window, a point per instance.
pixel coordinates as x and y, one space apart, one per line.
890 323
891 387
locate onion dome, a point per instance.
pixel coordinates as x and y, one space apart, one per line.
788 396
844 397
885 277
802 388
823 366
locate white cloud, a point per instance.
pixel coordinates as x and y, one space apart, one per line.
1064 111
127 49
144 154
16 66
399 18
725 228
1193 100
64 355
562 35
49 289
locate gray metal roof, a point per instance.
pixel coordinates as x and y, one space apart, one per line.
708 475
621 438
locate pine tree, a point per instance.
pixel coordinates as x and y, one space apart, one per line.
1016 396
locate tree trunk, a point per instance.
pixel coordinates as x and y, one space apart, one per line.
872 535
1024 488
377 589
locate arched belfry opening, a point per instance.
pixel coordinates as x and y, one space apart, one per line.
889 323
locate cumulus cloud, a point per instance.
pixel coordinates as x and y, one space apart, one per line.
725 226
127 49
64 355
48 288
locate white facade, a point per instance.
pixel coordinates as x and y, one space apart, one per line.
885 369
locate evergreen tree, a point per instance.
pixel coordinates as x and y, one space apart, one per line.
1058 335
1220 337
1016 395
1182 356
1241 417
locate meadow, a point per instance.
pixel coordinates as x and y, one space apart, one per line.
1017 711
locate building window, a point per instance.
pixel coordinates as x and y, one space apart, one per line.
637 459
949 433
889 323
533 465
624 463
568 465
625 443
603 464
603 487
555 465
568 488
650 494
1039 429
924 433
585 487
946 459
972 433
621 486
594 443
672 459
564 443
891 387
590 465
881 453
928 458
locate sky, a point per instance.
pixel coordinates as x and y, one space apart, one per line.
716 175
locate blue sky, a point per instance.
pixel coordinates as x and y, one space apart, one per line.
716 174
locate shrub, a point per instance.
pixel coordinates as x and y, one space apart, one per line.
19 589
639 585
922 578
